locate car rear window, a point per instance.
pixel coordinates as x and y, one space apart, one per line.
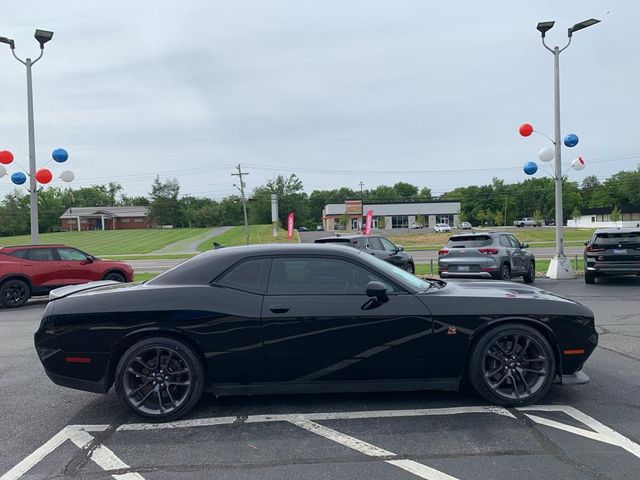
248 275
469 241
615 238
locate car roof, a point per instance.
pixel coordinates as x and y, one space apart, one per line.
11 248
618 230
345 236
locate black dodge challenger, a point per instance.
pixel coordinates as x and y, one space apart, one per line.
307 318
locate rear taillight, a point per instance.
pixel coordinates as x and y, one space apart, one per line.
591 248
488 251
444 251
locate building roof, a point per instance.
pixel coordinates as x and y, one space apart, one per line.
430 207
117 212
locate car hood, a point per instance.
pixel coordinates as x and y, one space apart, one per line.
494 289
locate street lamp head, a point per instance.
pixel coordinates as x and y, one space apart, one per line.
544 27
583 24
8 41
43 36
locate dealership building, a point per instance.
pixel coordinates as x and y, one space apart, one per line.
391 215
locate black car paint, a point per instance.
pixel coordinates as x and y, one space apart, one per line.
414 340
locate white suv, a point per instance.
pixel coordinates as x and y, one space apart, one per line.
441 227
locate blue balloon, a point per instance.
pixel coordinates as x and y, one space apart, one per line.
60 155
571 140
18 178
530 168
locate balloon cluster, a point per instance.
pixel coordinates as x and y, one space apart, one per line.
547 154
43 175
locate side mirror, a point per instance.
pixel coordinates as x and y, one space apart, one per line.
586 243
377 290
399 248
524 245
89 259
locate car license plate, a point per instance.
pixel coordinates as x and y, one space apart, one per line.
463 268
619 251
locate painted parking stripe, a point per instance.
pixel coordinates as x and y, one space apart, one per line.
361 446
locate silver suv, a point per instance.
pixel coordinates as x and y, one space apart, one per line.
486 255
612 251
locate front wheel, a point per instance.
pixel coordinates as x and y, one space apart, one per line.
160 378
512 365
114 276
14 293
410 268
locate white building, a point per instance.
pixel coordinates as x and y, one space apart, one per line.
395 214
601 218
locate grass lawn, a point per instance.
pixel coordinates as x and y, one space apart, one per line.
541 267
257 234
112 242
144 276
535 237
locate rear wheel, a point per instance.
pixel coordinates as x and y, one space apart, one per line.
114 276
505 273
160 378
512 365
530 274
14 293
589 277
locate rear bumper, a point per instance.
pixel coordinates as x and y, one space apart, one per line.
78 383
617 268
445 274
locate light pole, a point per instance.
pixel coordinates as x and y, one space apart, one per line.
560 266
42 36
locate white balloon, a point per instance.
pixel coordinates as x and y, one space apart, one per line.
546 154
67 176
578 163
3 171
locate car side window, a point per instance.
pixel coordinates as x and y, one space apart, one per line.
514 242
375 243
249 276
504 241
19 253
71 254
388 246
41 254
319 276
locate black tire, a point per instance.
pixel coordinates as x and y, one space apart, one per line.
589 277
512 365
504 273
14 293
530 274
114 276
145 385
410 268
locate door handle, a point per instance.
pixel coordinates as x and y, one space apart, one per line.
279 308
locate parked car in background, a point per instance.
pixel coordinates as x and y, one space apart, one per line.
526 222
27 271
442 228
377 246
416 226
496 255
303 229
464 226
319 228
612 251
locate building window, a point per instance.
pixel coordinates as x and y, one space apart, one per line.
138 220
445 218
124 220
400 221
593 219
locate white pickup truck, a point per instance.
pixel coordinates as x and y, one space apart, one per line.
526 222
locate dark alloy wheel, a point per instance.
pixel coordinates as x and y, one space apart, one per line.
530 275
114 276
512 365
14 293
589 277
160 378
410 268
505 273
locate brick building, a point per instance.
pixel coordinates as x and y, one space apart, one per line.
104 218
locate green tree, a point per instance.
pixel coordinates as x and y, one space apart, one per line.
165 208
615 215
575 215
538 217
405 191
343 221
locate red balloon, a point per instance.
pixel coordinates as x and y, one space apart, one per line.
6 157
526 129
44 175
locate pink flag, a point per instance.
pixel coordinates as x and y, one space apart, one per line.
367 222
290 226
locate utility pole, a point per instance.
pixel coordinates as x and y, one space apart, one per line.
244 201
506 197
361 185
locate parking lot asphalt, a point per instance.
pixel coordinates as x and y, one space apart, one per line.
587 431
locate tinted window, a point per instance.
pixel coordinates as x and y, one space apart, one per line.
388 246
504 241
248 276
41 254
19 253
375 243
319 276
71 254
514 241
615 238
469 241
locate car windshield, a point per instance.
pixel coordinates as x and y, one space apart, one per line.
617 238
469 241
396 273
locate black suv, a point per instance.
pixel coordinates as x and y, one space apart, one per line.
377 246
612 251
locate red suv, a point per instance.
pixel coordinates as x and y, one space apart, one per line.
36 269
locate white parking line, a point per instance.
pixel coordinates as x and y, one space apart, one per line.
361 446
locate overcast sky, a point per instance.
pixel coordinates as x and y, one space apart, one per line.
338 92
